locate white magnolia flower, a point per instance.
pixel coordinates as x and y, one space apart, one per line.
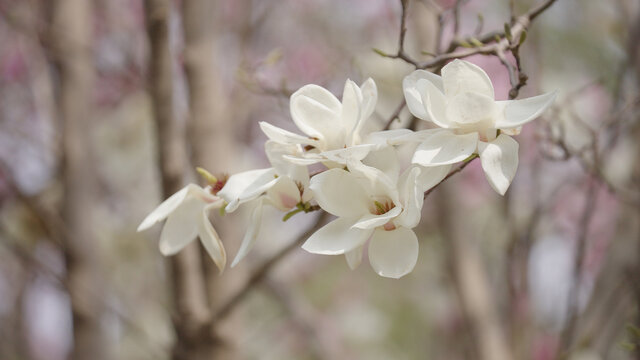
187 214
370 203
284 186
329 124
462 104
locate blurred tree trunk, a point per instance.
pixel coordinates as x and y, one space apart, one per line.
191 320
472 285
211 135
72 21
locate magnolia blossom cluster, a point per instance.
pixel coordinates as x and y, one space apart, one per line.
375 193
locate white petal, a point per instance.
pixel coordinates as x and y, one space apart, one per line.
385 160
316 112
499 160
431 176
252 232
304 159
351 100
211 241
369 93
354 257
369 98
370 221
337 237
357 152
435 103
168 206
284 194
472 108
519 112
461 76
182 226
445 147
393 253
412 94
374 182
283 167
338 192
387 137
412 197
246 186
283 136
409 136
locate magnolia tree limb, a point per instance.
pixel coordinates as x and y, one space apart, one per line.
211 134
259 274
189 291
495 43
473 289
73 19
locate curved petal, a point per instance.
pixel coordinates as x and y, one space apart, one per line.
211 241
461 76
252 232
284 194
374 182
354 257
409 136
369 93
337 237
431 176
412 197
387 137
435 103
369 98
182 226
357 152
283 136
246 186
316 111
338 192
304 159
445 147
519 112
169 205
370 221
471 108
393 253
276 153
351 100
412 94
384 159
499 160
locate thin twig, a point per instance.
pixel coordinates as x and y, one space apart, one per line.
451 173
261 272
581 241
504 44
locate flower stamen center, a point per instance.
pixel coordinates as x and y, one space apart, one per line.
382 207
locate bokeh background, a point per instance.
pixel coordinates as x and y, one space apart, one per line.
549 271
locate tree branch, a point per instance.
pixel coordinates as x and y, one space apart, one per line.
261 272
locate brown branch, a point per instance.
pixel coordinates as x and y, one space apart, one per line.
401 53
75 63
189 295
567 335
451 173
520 25
261 272
474 293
